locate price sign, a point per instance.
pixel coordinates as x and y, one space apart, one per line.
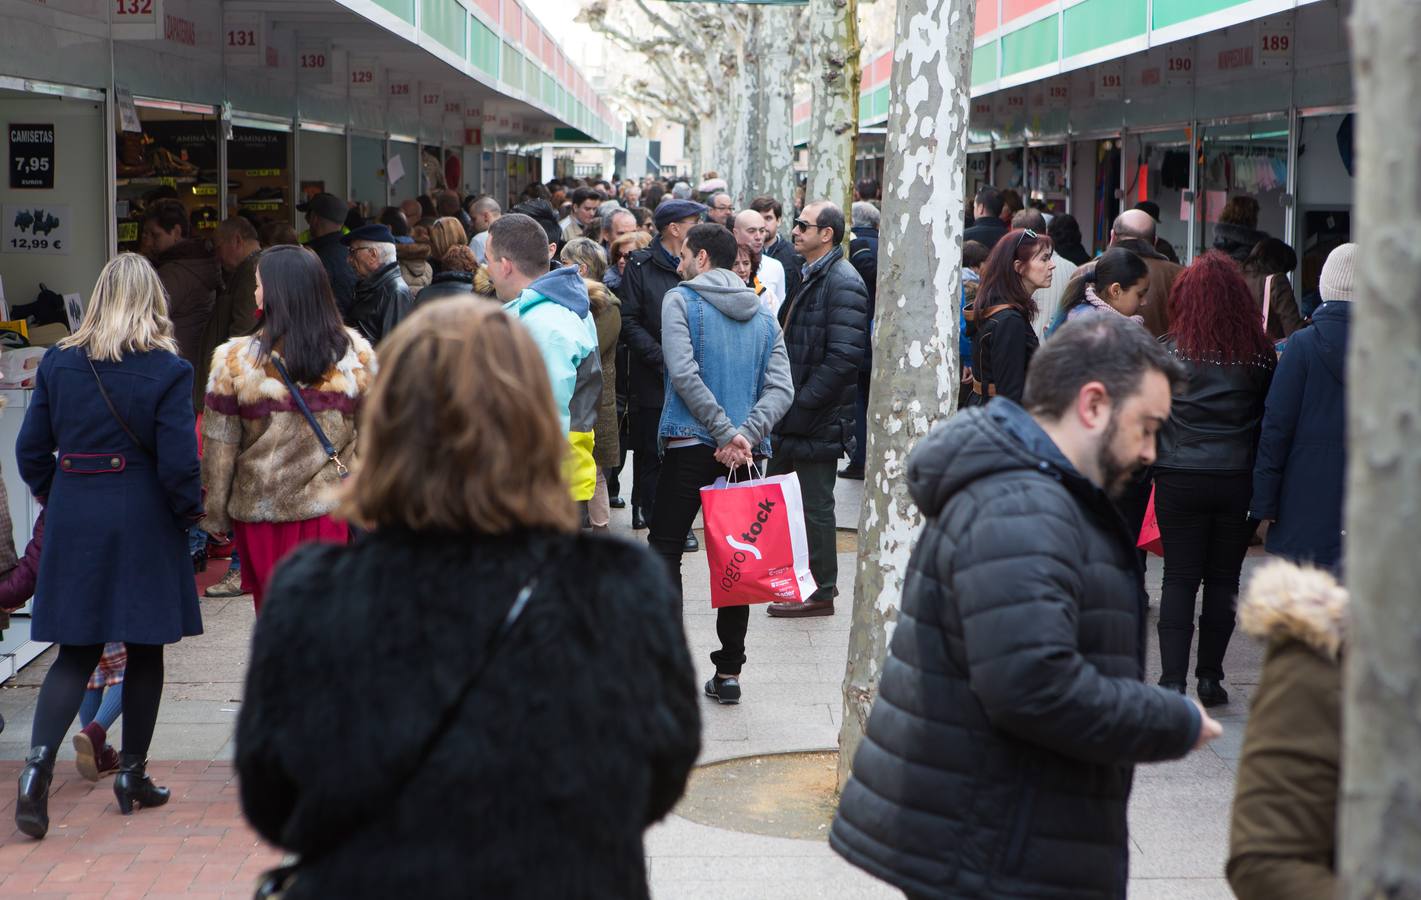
1110 82
363 79
134 11
1275 42
1179 68
32 157
39 228
313 61
242 43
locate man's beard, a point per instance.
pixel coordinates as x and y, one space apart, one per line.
1115 476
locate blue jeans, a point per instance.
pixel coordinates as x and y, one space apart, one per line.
102 705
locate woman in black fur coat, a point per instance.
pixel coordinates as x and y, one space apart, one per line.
578 734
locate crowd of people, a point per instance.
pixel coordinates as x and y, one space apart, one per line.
411 432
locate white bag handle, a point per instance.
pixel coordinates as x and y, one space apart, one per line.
750 467
1267 299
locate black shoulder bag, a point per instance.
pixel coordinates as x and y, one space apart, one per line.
273 883
148 452
300 402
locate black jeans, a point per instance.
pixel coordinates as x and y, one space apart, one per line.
68 678
816 485
1203 520
646 460
684 471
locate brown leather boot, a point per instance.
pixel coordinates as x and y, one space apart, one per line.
93 756
801 610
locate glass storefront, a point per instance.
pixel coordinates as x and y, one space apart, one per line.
367 173
259 174
1157 171
174 156
1243 159
1047 175
1326 187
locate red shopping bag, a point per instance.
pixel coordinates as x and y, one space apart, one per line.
1150 540
755 541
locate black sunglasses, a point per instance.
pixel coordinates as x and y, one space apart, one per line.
805 226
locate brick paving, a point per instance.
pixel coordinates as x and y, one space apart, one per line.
196 846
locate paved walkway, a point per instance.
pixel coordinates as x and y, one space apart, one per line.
199 846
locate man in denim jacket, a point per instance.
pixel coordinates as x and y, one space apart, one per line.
727 384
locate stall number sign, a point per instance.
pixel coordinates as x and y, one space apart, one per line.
313 61
1275 42
36 228
1179 70
1110 82
32 157
364 80
134 11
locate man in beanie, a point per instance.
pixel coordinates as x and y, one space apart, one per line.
382 299
650 274
325 215
1299 473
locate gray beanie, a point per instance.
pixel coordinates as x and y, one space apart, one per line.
1337 278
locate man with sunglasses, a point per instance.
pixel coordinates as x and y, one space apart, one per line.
826 331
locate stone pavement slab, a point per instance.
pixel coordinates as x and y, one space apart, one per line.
199 846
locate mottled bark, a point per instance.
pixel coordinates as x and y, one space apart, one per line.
778 36
1381 778
835 74
915 364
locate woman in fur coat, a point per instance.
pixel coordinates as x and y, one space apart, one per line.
1283 840
516 761
268 479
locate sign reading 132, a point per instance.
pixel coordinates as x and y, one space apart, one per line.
130 9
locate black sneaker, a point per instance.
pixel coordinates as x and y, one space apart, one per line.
724 691
851 473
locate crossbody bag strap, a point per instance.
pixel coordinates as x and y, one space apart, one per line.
274 882
1267 300
305 410
152 457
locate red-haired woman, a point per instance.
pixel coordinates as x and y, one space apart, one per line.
1001 317
1203 474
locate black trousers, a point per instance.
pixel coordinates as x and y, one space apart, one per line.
646 459
856 459
68 678
684 471
1203 520
816 487
624 441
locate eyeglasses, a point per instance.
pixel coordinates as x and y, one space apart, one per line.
802 225
355 250
1025 233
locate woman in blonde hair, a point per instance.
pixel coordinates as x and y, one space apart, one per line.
445 234
109 442
484 605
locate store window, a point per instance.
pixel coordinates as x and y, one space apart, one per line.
259 175
1326 189
1242 160
367 173
1158 172
174 156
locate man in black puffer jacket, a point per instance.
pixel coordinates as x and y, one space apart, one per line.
999 754
826 332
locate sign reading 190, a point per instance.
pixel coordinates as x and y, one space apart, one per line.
134 7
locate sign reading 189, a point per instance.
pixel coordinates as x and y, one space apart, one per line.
134 7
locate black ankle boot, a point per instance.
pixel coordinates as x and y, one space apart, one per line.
32 804
132 785
1211 693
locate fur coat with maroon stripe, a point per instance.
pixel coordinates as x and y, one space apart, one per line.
261 460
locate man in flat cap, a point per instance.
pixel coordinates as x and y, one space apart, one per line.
325 216
382 299
649 275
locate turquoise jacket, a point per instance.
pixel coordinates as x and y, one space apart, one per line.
555 310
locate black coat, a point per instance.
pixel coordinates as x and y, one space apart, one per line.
1002 347
335 256
1301 470
580 734
986 231
826 332
1000 750
447 284
381 302
784 251
645 283
1214 420
863 255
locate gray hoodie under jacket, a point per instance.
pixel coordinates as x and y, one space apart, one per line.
724 290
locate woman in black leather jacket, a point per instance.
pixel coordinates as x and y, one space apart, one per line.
1203 475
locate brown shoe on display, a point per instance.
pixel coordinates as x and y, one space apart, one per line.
801 610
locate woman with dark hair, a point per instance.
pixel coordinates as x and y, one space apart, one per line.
1117 283
1001 316
188 270
475 543
1065 233
747 266
1204 470
269 476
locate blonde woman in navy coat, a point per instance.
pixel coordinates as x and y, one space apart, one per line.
122 486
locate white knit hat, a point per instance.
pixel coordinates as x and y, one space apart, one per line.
1336 282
